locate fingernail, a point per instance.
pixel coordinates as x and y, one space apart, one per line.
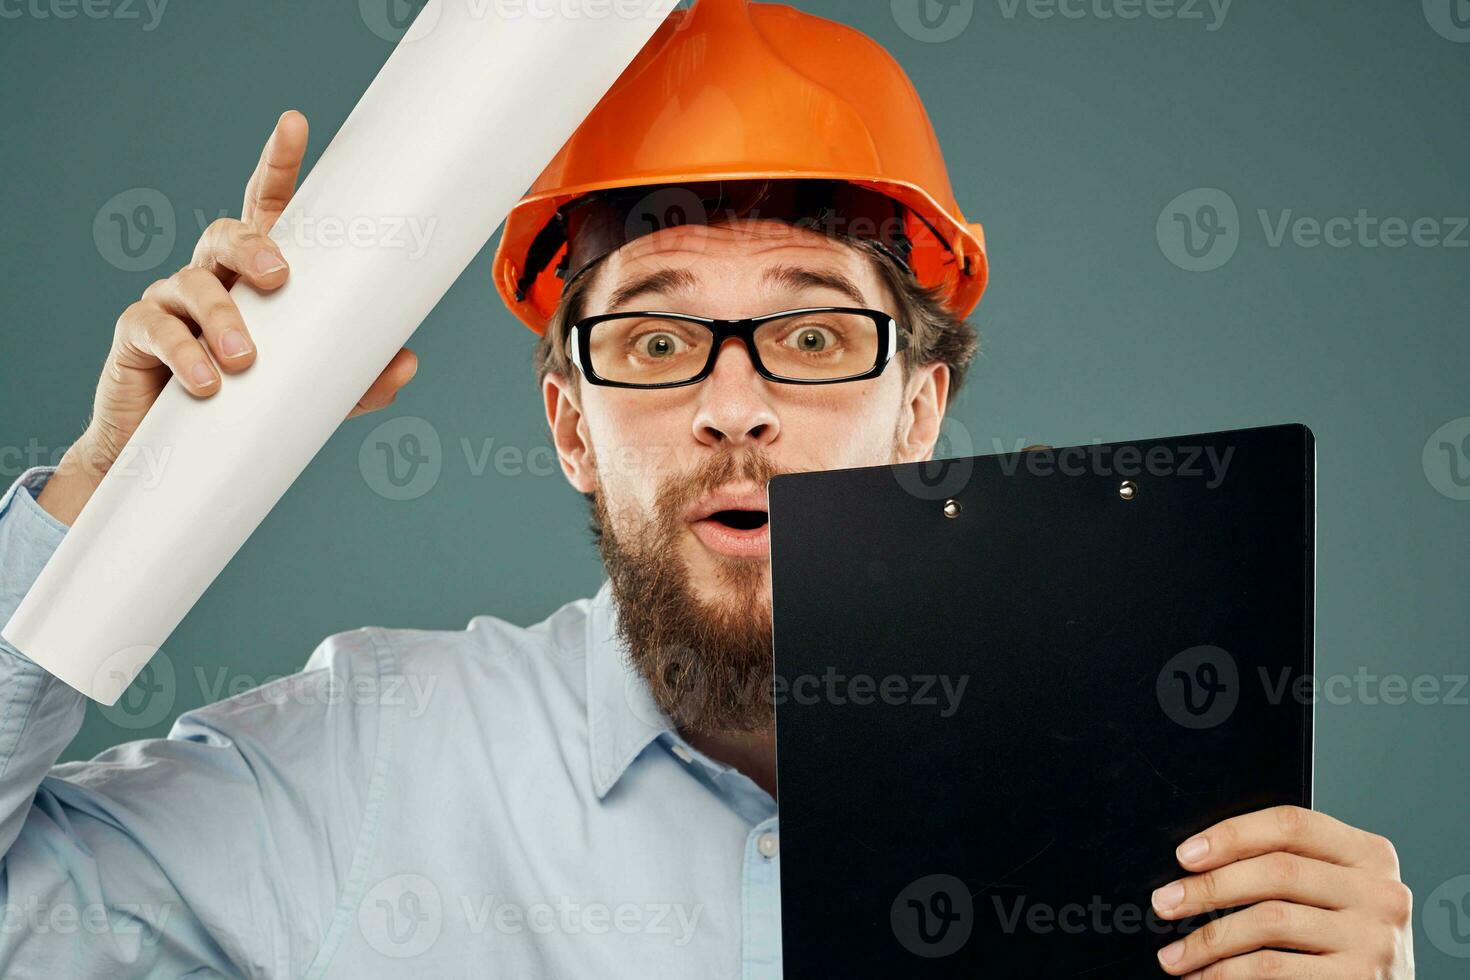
234 344
267 262
1171 953
1169 896
1193 849
202 374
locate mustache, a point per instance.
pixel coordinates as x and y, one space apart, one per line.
753 465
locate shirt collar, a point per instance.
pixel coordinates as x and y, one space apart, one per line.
622 716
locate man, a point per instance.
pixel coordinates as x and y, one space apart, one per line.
593 796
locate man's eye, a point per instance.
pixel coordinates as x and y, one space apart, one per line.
657 345
812 340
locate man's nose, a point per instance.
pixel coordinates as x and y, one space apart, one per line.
734 407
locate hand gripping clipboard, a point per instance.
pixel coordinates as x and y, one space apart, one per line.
1131 624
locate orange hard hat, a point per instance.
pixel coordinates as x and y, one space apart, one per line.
729 90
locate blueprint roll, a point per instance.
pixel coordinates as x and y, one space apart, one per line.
475 100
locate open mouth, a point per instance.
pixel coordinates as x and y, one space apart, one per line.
741 520
735 532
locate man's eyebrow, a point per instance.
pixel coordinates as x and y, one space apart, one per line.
800 277
662 281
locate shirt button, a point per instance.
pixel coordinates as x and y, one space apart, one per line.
768 844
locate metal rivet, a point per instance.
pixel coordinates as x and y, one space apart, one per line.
1128 490
951 508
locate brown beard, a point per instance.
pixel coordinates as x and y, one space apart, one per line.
708 664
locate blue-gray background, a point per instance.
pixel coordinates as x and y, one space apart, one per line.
1068 136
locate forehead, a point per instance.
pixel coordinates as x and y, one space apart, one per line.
734 269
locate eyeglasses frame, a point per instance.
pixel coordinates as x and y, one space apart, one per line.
890 342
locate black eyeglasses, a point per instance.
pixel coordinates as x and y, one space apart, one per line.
814 346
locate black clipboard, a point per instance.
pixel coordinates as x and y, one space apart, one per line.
1134 620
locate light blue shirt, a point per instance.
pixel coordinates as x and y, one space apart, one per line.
500 801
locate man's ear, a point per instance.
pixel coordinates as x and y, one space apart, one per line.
925 398
569 431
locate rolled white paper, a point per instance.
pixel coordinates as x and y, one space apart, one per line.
468 110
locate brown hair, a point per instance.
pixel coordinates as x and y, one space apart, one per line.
935 333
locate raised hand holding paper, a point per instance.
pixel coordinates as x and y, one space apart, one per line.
441 140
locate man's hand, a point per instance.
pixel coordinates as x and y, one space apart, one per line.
1323 902
166 333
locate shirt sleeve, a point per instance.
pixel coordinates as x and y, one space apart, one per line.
222 850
